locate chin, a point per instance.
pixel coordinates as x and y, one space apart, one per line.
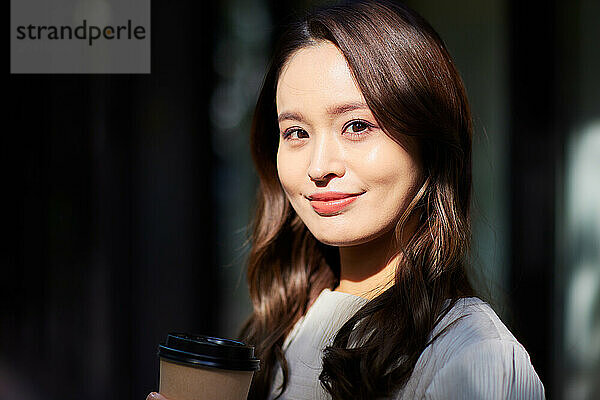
339 237
346 231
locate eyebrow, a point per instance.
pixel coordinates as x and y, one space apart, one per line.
294 116
344 108
334 110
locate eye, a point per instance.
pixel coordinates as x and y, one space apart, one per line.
357 128
295 133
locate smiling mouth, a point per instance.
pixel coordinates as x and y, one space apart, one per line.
329 204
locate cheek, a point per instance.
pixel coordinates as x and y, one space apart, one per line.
288 172
388 167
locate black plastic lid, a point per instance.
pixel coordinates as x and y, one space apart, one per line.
206 351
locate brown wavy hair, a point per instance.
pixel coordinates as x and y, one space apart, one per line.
412 87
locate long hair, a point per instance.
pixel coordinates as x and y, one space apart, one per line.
412 87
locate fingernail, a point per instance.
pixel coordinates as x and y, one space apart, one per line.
153 396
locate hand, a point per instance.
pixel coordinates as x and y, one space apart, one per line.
156 396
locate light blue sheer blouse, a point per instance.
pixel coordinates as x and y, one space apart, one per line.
477 358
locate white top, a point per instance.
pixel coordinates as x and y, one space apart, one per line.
477 358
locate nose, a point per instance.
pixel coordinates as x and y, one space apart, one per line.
326 162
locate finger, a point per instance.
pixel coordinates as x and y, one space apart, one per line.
156 396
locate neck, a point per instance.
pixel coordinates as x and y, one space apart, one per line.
367 270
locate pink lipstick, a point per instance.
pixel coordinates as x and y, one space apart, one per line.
331 203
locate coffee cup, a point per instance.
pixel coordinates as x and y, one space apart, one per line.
198 367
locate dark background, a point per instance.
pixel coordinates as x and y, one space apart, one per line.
114 189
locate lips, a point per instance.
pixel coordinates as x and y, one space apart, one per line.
331 203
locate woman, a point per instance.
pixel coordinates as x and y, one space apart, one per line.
357 272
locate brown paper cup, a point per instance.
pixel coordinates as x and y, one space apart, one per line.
180 382
196 367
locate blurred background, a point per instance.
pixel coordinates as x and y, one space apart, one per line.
129 196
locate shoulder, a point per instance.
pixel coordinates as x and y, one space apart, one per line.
472 320
488 369
475 356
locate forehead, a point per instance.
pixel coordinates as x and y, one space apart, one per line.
316 75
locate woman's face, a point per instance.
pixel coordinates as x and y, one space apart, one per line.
345 178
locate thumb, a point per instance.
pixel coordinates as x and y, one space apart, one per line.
156 396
